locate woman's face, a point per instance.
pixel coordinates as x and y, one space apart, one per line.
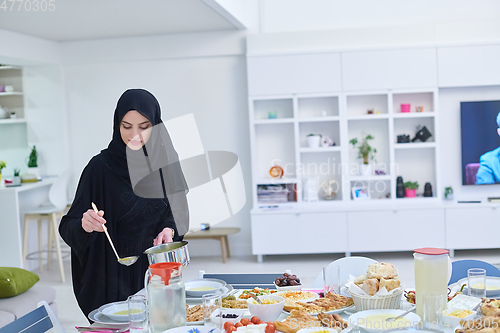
135 129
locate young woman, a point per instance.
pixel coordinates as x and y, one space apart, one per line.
129 182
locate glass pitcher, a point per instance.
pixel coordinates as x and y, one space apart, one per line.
166 297
432 273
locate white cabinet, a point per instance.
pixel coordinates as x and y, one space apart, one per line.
288 74
389 69
299 233
398 230
469 65
472 228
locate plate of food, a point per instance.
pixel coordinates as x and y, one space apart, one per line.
245 294
194 314
374 321
330 304
100 318
288 282
306 320
223 291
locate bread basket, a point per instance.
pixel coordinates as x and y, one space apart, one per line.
366 302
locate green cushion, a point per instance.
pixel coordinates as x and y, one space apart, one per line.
15 281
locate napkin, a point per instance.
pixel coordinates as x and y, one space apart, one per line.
353 288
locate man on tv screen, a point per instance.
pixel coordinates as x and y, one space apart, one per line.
489 169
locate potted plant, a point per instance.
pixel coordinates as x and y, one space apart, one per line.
3 164
33 163
448 193
366 152
411 189
313 140
17 178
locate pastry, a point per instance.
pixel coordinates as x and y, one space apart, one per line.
194 313
334 321
490 307
328 303
370 286
297 321
382 270
389 284
484 322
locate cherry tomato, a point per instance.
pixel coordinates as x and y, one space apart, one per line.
232 329
238 325
244 321
270 328
228 324
269 322
255 320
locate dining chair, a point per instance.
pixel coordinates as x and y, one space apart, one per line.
348 266
52 211
42 319
460 267
245 281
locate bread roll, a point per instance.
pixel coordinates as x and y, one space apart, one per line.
382 270
359 280
370 286
389 284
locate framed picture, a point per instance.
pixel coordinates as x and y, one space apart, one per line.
360 193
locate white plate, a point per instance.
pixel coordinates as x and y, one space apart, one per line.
98 317
492 281
227 289
314 295
109 309
322 329
353 320
190 329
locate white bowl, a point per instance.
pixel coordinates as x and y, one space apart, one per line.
288 288
110 309
316 329
202 283
359 319
450 321
238 312
266 312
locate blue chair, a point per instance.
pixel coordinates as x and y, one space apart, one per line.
37 321
460 267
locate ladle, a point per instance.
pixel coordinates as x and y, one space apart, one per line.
127 261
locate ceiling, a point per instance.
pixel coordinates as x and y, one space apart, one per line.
95 19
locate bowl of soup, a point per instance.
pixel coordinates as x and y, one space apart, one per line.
374 321
200 287
118 311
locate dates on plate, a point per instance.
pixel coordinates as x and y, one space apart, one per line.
287 280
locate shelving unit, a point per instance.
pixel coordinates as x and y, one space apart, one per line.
342 117
12 101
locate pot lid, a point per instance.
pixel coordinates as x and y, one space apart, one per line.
431 251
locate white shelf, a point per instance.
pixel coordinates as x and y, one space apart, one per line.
370 178
319 119
369 116
415 145
14 93
273 121
414 114
9 67
319 149
12 121
268 181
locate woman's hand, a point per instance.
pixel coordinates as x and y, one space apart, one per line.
165 236
92 221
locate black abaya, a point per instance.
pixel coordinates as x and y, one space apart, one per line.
132 221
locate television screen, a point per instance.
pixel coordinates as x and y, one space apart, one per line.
480 123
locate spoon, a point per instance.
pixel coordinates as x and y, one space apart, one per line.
127 261
401 315
255 298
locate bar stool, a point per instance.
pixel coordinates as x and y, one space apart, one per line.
52 212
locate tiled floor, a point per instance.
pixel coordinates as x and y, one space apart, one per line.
307 267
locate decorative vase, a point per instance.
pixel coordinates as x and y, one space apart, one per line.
366 169
405 108
35 171
411 193
16 180
314 140
400 187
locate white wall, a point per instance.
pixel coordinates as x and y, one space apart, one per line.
450 140
212 87
301 15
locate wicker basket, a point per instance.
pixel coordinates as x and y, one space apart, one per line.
366 302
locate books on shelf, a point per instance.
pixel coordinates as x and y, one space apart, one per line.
268 194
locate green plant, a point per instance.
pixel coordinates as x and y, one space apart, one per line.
33 158
3 164
447 191
314 135
411 185
365 151
16 172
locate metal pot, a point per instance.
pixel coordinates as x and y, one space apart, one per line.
169 252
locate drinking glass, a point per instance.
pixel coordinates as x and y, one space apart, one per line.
137 314
212 303
476 282
331 279
433 306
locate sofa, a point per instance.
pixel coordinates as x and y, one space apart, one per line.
15 307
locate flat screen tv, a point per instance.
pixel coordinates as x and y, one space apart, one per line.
480 123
